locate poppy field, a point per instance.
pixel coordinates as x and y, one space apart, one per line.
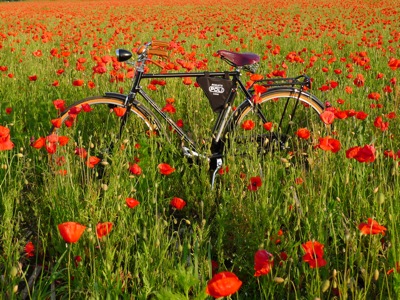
144 222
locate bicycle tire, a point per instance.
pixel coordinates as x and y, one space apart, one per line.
92 126
247 133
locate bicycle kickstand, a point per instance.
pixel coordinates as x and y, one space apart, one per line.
218 166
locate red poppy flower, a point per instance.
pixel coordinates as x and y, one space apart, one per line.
263 262
92 161
32 78
78 82
135 169
255 183
178 203
268 126
131 202
329 144
5 139
102 229
119 111
365 154
8 110
248 125
327 117
86 107
259 89
29 249
352 152
165 169
372 227
361 115
256 77
303 133
359 81
77 260
314 254
56 122
39 143
378 123
51 148
169 108
63 140
71 231
223 284
187 81
81 152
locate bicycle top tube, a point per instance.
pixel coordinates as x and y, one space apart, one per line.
190 74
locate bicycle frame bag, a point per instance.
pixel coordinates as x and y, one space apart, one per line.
217 90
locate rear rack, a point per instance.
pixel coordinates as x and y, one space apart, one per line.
302 81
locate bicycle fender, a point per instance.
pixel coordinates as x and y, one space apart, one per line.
115 95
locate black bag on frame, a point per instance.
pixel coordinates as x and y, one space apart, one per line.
217 90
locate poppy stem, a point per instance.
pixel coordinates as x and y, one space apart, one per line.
69 271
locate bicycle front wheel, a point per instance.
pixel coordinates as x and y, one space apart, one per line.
283 119
91 132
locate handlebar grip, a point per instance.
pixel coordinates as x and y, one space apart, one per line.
159 44
158 52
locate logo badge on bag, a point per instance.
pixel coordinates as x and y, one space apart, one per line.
216 89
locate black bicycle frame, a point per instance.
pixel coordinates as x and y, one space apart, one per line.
222 118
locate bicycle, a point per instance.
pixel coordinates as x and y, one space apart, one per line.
261 123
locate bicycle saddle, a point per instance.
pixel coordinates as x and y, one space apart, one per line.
239 59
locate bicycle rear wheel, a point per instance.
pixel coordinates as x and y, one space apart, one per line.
90 128
284 119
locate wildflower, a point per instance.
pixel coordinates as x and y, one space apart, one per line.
359 81
329 144
263 262
78 82
131 202
248 125
268 126
77 260
135 169
223 284
165 169
86 107
187 81
102 229
378 123
63 140
178 203
169 108
314 252
29 249
365 154
5 139
32 78
255 183
39 143
303 133
56 122
361 115
119 111
327 117
372 227
71 231
8 110
81 152
92 161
